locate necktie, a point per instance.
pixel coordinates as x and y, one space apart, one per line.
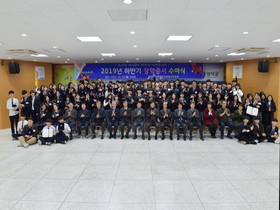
22 125
12 103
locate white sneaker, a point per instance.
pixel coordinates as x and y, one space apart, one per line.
39 142
26 145
257 141
243 142
265 140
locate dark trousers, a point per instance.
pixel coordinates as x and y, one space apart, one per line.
71 125
44 140
123 124
163 125
141 125
16 135
248 140
222 127
60 139
261 138
184 127
13 122
26 112
81 124
212 129
94 124
35 116
111 124
148 127
198 125
269 139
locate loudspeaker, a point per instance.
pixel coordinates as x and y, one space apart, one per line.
14 68
263 66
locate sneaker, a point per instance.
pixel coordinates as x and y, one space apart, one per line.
87 136
93 136
265 140
48 143
19 145
39 142
257 141
243 142
229 136
71 137
26 145
79 136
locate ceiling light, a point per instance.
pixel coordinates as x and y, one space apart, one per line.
190 60
165 54
102 59
221 61
35 60
65 61
68 59
127 61
216 55
217 46
96 61
132 32
268 56
276 40
245 32
54 47
207 58
39 55
241 58
23 34
158 61
108 54
127 1
89 38
178 38
9 58
58 56
134 45
236 54
172 58
137 58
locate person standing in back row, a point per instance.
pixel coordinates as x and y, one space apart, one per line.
12 106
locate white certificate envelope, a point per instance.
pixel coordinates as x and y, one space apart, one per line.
252 111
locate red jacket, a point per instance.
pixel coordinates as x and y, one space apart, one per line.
209 119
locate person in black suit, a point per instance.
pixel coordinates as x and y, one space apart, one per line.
180 117
84 117
152 115
34 105
98 117
272 131
194 120
113 119
125 115
245 135
139 117
25 105
165 117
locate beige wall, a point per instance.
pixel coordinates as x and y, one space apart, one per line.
254 81
18 82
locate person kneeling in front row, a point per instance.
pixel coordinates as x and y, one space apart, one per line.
272 131
48 133
245 135
62 131
29 134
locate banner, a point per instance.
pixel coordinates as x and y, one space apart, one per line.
64 74
139 70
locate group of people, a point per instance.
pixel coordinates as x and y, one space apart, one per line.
55 111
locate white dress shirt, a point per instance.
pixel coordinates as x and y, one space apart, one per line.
10 103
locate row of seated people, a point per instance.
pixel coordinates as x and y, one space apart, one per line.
153 117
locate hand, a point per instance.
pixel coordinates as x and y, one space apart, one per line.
252 127
258 135
69 113
269 110
244 130
263 134
82 115
194 114
124 113
97 116
182 113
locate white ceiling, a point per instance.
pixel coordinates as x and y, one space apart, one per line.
211 22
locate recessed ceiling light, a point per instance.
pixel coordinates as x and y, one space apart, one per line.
134 45
165 54
96 61
221 61
39 55
9 58
137 58
89 38
127 1
172 58
268 56
190 60
108 54
23 34
217 46
158 61
276 40
35 60
241 58
216 55
207 58
236 54
178 38
127 61
68 59
65 61
58 56
102 59
54 47
245 32
132 32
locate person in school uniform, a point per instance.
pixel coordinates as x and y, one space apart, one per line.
56 113
165 117
13 107
272 130
98 119
62 131
258 130
152 115
209 118
24 104
113 120
245 135
139 117
20 127
125 116
48 133
180 116
194 120
29 134
84 117
35 106
70 117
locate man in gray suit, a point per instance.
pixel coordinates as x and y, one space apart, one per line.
194 120
152 115
180 116
139 117
125 115
70 117
165 117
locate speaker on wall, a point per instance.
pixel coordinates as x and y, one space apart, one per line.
263 66
14 68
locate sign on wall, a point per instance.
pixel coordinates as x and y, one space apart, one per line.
39 72
237 71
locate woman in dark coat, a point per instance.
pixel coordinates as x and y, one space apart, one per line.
268 111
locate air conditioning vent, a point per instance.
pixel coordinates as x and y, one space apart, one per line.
21 51
251 49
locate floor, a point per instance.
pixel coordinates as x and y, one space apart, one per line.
136 174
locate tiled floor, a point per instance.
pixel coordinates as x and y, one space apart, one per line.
136 174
